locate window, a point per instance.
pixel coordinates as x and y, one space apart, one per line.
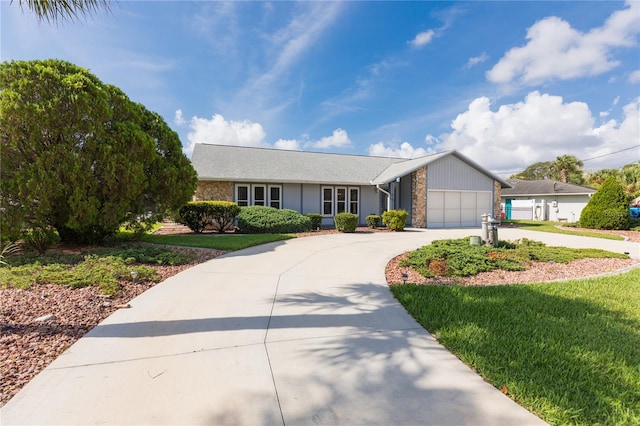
327 201
259 195
354 197
274 196
242 195
341 200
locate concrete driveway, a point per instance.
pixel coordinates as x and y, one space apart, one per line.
304 331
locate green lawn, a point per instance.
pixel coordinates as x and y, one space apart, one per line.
568 352
230 242
544 226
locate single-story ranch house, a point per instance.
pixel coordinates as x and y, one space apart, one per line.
544 200
444 190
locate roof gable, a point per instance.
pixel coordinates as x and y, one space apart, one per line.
407 167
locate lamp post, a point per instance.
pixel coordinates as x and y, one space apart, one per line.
134 275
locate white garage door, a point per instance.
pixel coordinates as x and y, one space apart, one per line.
456 209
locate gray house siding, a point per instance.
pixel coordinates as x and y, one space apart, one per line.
369 203
450 173
292 196
310 198
405 196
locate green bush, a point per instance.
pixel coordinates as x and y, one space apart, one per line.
195 215
373 221
316 220
396 220
459 258
346 222
268 220
216 215
41 239
608 208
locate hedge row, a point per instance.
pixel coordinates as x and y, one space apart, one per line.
263 220
215 215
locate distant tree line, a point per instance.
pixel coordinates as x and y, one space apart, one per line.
568 169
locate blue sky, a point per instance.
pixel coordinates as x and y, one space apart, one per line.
506 83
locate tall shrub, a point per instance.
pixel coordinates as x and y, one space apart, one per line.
396 220
608 208
316 220
346 222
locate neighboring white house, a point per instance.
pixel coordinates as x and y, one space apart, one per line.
444 190
544 200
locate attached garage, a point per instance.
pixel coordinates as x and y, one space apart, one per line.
457 209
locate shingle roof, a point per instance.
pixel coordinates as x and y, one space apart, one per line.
544 187
234 163
238 164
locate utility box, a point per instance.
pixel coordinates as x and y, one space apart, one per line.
489 230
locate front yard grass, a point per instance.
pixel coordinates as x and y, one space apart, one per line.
545 226
568 352
229 242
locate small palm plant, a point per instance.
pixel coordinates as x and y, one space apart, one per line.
8 250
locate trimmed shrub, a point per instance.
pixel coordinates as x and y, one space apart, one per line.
346 222
215 215
223 213
316 220
373 221
396 220
608 208
40 239
268 220
194 215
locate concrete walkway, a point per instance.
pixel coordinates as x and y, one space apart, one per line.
304 331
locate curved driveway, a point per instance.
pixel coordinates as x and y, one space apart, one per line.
304 331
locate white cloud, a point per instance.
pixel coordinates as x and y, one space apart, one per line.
405 150
422 39
288 144
219 131
540 128
634 77
338 139
476 60
555 50
178 118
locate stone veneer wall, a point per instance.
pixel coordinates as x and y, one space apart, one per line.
419 198
213 190
497 192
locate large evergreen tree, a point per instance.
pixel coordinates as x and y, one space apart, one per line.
79 156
